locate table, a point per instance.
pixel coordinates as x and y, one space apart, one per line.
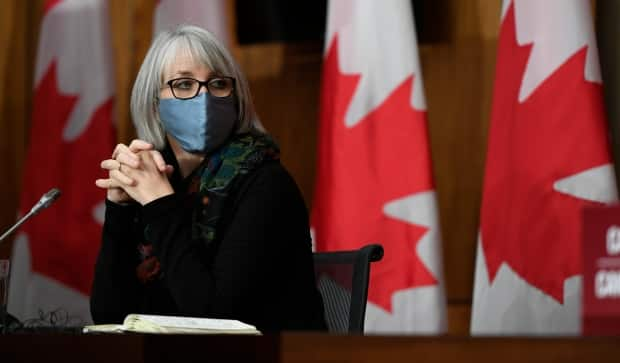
302 347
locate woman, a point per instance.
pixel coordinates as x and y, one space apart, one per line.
213 225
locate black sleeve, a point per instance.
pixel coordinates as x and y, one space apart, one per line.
239 267
116 290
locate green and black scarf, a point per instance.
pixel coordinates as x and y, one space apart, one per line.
215 180
222 172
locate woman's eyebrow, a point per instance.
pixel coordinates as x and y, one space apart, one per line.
184 73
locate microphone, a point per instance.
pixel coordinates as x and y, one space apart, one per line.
46 200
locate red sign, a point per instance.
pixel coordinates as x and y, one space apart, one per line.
601 270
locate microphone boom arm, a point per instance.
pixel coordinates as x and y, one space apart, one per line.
46 200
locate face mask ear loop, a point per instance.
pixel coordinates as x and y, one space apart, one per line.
156 107
237 124
156 112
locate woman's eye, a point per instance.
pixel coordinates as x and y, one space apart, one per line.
218 83
183 84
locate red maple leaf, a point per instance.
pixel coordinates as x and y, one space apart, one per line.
65 238
385 156
558 131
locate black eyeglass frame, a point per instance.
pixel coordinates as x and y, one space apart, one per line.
204 83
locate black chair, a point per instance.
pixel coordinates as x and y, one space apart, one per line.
342 278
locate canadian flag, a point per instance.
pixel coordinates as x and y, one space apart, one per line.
54 253
547 158
210 15
374 179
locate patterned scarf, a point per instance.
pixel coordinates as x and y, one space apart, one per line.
215 179
222 172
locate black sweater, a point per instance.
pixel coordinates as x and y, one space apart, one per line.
260 271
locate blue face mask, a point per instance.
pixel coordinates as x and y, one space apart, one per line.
200 124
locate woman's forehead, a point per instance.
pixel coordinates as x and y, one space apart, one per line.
183 61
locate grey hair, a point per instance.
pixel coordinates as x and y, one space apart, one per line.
203 47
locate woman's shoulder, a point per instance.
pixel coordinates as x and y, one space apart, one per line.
271 190
271 175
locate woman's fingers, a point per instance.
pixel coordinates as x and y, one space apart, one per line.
107 183
160 162
110 164
153 159
139 145
122 178
130 159
118 149
129 154
116 172
125 155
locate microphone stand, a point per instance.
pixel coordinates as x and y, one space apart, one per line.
16 225
6 319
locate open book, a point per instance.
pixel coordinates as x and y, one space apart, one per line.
158 324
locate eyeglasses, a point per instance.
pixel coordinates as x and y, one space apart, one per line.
186 88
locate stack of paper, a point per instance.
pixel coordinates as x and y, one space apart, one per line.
157 324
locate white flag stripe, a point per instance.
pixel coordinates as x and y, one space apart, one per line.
415 311
31 292
511 306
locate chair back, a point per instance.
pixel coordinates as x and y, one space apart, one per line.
342 279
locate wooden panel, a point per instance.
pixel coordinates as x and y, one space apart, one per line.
475 19
458 81
132 27
286 97
607 30
122 33
19 24
6 27
459 314
6 124
144 11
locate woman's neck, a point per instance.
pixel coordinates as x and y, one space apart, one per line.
188 162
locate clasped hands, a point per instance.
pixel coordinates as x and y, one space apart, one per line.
136 172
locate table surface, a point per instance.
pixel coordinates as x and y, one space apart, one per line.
303 347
